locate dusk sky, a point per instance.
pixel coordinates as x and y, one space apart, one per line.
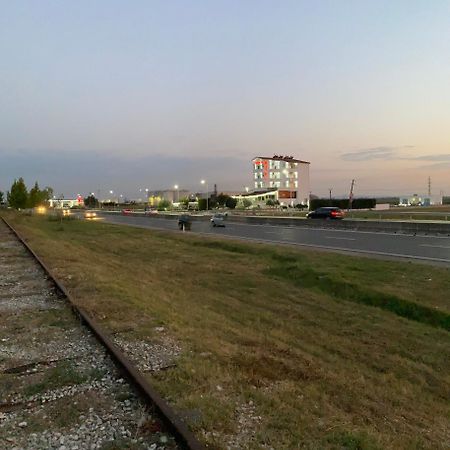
99 95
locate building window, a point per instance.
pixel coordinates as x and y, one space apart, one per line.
296 184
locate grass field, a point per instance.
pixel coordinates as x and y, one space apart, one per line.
281 348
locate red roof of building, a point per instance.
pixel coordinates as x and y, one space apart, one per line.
282 158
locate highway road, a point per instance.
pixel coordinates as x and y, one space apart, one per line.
433 249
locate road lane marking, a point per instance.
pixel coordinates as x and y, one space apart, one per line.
341 238
434 246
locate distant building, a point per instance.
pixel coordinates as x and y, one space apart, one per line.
259 197
60 203
420 200
171 195
285 174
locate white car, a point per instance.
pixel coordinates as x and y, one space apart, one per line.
90 214
218 220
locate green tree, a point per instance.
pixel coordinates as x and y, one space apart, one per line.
247 203
34 196
1 197
202 204
185 202
38 197
163 205
18 195
91 202
231 203
47 193
270 202
222 199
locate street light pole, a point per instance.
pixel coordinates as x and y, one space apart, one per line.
178 193
207 193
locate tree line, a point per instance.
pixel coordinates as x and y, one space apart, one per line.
19 197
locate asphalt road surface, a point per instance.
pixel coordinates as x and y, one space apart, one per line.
434 249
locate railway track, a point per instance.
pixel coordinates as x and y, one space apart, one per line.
64 384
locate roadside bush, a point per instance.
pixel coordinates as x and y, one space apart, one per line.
231 202
163 205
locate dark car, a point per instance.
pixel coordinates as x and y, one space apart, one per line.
326 212
184 222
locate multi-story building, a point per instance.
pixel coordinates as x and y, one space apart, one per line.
172 195
288 175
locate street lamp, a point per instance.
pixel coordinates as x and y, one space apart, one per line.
178 193
207 193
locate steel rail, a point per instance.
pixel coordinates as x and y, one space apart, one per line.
173 422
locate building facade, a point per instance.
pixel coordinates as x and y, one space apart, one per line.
288 175
60 203
171 195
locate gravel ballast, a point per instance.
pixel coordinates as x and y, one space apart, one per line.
59 389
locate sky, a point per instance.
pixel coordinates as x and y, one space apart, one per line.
122 95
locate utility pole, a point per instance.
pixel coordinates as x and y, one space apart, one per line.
331 190
350 197
429 187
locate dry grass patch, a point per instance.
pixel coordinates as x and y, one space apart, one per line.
332 351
